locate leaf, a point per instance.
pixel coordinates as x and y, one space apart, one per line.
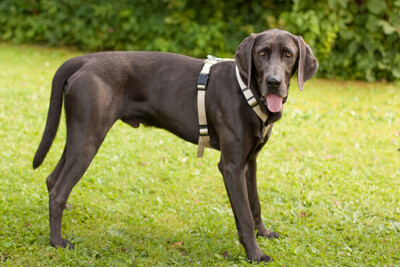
387 28
376 6
353 47
177 244
396 72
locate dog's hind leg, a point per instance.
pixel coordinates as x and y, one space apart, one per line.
53 177
80 151
90 114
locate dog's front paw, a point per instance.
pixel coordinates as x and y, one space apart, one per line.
65 243
269 234
259 258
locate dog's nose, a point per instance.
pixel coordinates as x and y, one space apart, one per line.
273 82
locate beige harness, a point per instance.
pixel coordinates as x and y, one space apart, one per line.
204 137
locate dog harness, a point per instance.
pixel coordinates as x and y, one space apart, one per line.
204 137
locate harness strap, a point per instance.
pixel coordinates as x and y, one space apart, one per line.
251 100
204 137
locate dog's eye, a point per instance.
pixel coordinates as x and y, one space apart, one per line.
288 54
262 53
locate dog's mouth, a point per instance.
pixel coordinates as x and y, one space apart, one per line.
274 102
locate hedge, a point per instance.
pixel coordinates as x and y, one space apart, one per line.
352 39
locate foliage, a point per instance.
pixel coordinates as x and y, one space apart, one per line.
352 39
328 183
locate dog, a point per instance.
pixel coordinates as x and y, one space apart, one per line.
159 89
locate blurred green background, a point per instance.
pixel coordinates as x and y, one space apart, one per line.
328 178
351 39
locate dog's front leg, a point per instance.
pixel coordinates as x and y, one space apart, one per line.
235 183
251 179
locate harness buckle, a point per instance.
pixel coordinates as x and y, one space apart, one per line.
202 81
203 130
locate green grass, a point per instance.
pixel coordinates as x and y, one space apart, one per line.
329 182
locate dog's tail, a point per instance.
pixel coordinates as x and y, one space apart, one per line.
54 112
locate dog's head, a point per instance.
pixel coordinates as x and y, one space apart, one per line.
271 58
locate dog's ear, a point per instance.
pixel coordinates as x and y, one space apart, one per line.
308 64
244 55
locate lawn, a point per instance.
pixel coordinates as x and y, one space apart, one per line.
329 182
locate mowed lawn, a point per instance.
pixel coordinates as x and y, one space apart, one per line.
329 182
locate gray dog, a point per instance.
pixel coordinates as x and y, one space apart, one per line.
159 89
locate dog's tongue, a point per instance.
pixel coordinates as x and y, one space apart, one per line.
274 103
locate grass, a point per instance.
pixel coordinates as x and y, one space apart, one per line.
328 182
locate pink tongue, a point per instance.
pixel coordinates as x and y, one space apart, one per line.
274 103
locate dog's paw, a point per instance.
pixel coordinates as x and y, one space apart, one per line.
65 243
255 255
268 234
265 258
260 258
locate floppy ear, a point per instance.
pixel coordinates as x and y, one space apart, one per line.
243 56
308 64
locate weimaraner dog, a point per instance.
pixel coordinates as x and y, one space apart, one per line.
159 89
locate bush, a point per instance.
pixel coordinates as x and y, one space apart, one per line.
352 39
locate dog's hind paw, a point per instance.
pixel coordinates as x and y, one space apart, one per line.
269 234
65 243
